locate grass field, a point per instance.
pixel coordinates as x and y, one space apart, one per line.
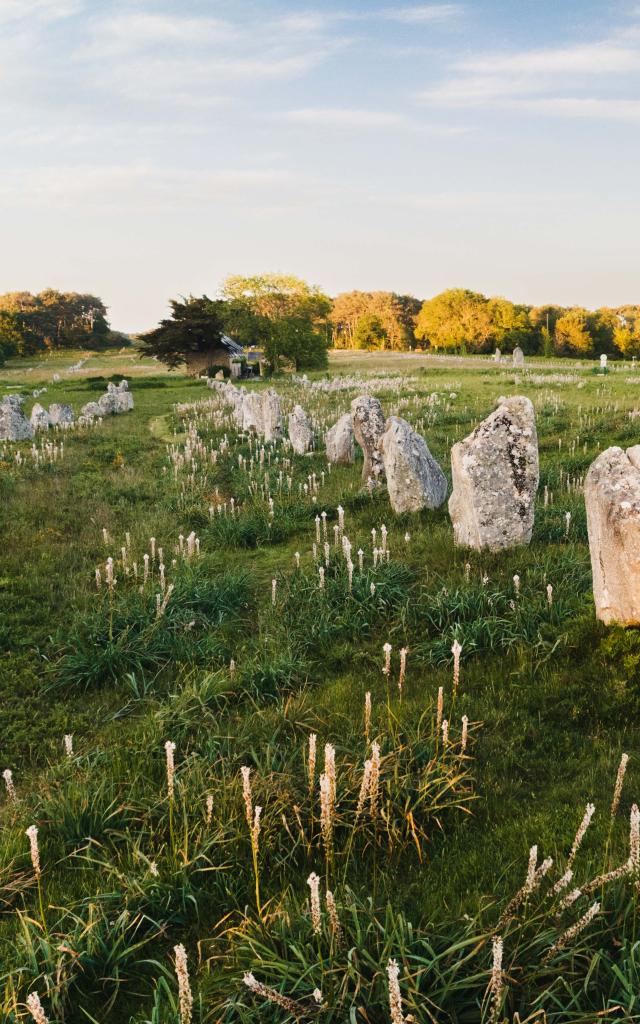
135 860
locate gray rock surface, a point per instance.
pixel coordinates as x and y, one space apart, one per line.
495 479
39 419
14 425
124 397
414 478
90 411
518 356
300 431
368 427
252 412
340 441
612 498
271 415
60 414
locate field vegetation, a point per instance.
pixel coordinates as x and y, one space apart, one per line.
238 789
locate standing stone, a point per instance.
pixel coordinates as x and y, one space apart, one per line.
368 426
518 356
90 411
14 425
495 479
340 441
612 498
271 415
414 478
39 419
300 430
497 355
60 415
252 412
124 397
109 405
603 362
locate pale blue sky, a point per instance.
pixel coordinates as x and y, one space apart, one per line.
149 148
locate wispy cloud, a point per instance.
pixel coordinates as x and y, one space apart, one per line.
48 10
422 13
343 117
591 59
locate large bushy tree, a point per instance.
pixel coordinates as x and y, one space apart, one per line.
53 320
194 328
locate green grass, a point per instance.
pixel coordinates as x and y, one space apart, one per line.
551 696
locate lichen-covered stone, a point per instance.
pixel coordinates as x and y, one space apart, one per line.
271 415
414 478
252 412
90 411
300 431
340 441
495 479
518 356
39 418
612 498
14 425
61 415
368 427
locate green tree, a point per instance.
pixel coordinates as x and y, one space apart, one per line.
283 314
370 332
194 329
456 319
511 326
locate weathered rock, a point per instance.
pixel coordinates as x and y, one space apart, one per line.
414 478
271 415
495 479
497 355
300 431
60 415
612 498
39 419
518 356
252 412
124 397
340 440
368 426
14 425
90 411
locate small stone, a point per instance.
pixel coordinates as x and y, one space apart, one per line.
340 441
300 431
368 427
612 499
90 411
495 479
414 478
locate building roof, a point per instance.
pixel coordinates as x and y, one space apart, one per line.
231 346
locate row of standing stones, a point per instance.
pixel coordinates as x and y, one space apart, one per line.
495 476
14 425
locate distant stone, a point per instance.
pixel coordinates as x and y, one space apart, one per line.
90 411
124 397
60 415
368 427
271 415
109 404
612 498
495 479
603 361
252 412
39 419
300 431
518 356
497 355
14 425
340 441
414 478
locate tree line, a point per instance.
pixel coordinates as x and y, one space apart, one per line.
52 320
296 323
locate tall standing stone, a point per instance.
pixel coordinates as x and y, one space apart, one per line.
39 419
495 479
61 415
271 415
300 431
368 426
518 356
414 478
612 498
124 397
252 412
340 441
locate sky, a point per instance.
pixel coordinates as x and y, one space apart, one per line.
150 148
